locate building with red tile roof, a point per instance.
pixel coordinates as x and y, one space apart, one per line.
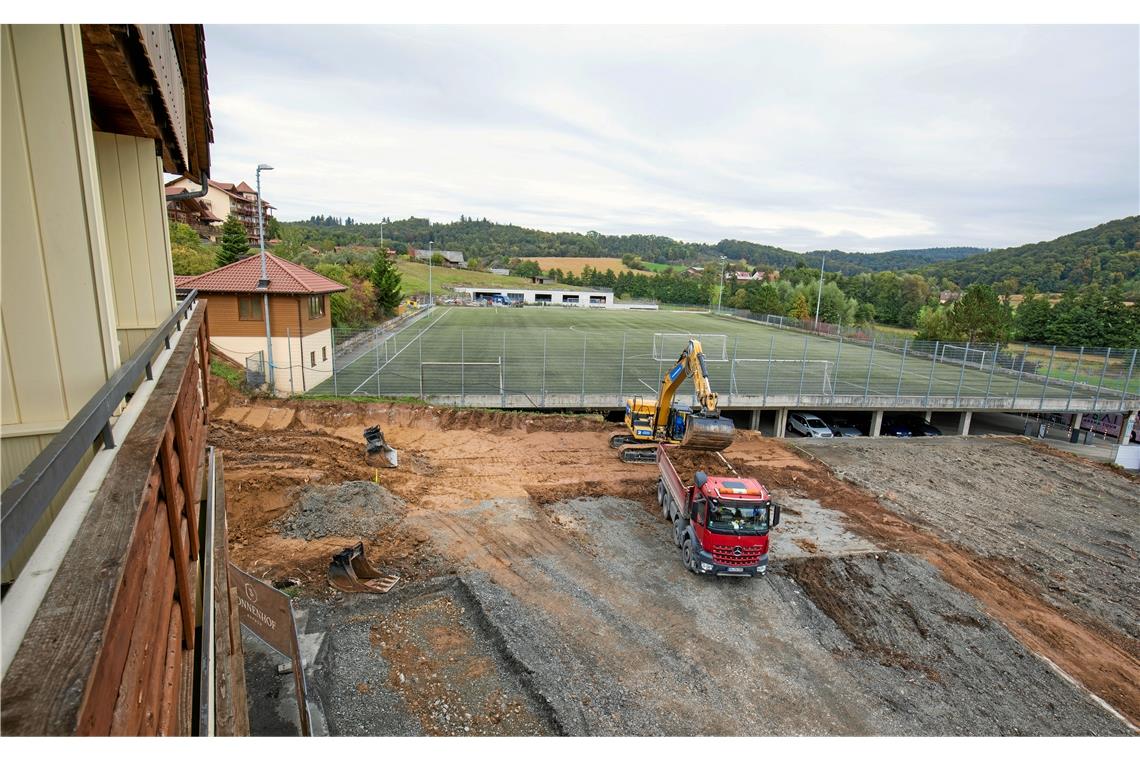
221 200
299 324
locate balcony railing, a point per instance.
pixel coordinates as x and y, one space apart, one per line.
114 644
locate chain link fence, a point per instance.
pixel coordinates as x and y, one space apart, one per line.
435 356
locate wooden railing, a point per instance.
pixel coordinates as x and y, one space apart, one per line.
112 648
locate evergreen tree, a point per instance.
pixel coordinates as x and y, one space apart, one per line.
235 244
386 284
978 316
1031 320
799 308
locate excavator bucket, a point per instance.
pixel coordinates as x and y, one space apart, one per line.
350 571
376 445
708 433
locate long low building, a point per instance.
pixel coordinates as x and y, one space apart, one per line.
544 296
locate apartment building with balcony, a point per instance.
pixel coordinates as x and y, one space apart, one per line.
220 200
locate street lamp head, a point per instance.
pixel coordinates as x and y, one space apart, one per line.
264 167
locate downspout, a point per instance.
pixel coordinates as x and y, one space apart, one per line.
204 180
301 340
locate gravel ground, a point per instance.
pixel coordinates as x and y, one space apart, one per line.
1072 528
352 508
927 650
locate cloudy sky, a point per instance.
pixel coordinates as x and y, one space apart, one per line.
860 138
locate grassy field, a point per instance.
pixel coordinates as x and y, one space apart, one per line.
538 351
576 265
415 279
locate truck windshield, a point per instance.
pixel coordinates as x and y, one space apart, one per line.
738 517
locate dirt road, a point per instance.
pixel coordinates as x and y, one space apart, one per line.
569 585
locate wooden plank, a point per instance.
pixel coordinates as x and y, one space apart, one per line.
204 362
108 670
152 699
127 715
56 673
187 460
178 548
171 675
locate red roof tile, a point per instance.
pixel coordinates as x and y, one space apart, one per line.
244 188
242 276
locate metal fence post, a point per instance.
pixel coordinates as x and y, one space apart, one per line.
420 346
803 368
1076 374
1100 385
768 376
332 334
582 400
835 380
503 372
993 369
462 385
377 370
732 370
902 368
870 364
1045 387
621 377
289 354
1020 372
962 374
1128 380
933 364
545 333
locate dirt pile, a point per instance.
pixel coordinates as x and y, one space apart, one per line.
356 508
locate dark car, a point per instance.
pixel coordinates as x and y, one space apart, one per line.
842 427
919 426
897 427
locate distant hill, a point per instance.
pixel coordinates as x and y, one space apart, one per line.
1108 254
488 241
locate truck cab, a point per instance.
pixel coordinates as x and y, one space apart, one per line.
720 524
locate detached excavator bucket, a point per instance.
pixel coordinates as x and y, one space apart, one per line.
708 433
375 444
350 571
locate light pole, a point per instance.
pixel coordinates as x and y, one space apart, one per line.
430 244
382 237
819 295
263 283
723 261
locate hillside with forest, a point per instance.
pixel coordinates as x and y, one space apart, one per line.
1107 255
493 243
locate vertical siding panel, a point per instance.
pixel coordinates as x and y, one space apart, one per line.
9 404
25 305
162 268
54 145
135 230
114 215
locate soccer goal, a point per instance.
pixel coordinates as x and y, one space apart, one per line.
777 377
668 346
461 378
957 354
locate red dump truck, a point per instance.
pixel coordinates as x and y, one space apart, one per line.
720 524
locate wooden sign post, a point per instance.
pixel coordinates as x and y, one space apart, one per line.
268 614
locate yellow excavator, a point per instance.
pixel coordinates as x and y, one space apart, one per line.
649 423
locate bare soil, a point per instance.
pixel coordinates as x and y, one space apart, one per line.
595 626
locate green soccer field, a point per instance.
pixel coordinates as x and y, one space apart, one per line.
537 352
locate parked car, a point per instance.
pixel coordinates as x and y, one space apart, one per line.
897 427
919 426
843 428
809 425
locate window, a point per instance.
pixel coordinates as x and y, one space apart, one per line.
316 307
312 358
324 353
249 307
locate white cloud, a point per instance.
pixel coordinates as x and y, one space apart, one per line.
806 137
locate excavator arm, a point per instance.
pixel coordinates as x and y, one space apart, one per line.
690 363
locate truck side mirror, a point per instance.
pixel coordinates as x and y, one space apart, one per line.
701 479
775 515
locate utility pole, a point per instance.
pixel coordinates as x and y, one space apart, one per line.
382 251
723 261
819 295
430 254
263 283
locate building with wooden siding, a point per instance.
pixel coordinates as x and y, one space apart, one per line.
103 393
300 320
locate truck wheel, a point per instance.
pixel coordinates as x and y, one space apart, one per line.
678 531
687 555
661 497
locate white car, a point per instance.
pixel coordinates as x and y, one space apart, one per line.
809 425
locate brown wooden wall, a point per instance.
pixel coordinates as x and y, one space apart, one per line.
283 317
111 650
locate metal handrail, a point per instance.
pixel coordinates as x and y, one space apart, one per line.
28 497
